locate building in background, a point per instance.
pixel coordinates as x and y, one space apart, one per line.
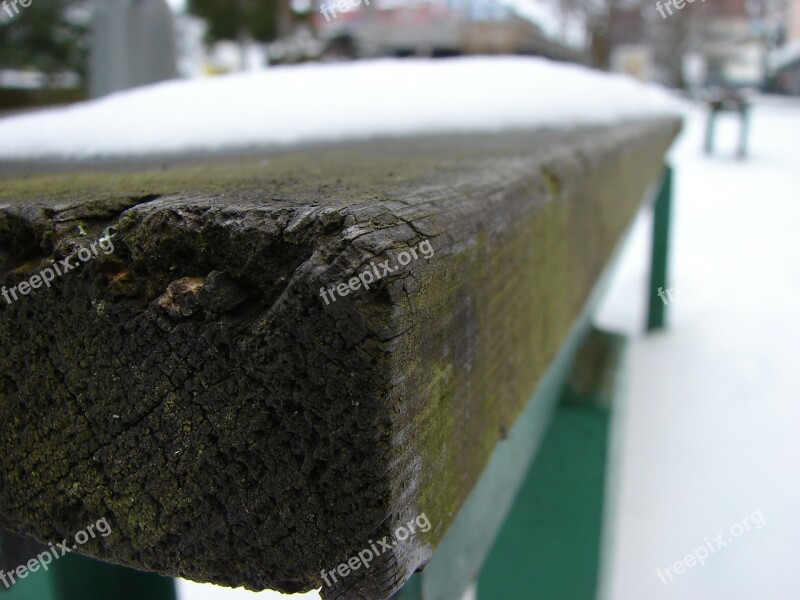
785 61
631 52
732 43
701 45
132 44
793 32
431 28
192 57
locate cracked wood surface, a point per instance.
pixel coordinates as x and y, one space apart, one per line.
193 387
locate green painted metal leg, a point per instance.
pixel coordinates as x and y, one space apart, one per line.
550 546
412 590
710 130
80 578
744 132
657 298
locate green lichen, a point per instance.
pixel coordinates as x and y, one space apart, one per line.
526 283
551 181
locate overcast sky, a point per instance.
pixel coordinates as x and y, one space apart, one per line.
177 5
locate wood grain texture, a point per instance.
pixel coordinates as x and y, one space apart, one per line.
193 387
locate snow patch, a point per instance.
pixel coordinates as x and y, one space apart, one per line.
333 102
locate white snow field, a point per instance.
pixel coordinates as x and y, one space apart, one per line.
331 102
710 427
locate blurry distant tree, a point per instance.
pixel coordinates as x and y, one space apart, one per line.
601 17
673 38
50 36
604 21
242 20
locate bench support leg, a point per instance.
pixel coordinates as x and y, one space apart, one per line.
550 546
660 252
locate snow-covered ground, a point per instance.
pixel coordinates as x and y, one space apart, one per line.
711 422
188 590
710 430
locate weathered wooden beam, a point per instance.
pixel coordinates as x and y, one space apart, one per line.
194 388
